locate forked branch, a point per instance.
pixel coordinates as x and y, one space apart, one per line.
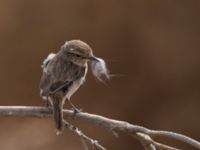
144 135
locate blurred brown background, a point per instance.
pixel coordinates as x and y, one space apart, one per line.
154 46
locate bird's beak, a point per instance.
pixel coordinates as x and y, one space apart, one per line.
93 58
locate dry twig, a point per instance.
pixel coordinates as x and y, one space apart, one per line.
95 144
144 135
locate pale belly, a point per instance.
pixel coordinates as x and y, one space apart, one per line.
75 86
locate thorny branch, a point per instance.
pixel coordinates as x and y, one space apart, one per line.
144 135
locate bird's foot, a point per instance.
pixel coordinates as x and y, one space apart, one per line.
75 112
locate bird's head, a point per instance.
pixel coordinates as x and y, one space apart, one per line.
80 53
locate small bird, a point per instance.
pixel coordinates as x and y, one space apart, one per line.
63 74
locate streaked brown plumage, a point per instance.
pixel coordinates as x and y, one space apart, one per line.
63 74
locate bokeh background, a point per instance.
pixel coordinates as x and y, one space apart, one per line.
153 47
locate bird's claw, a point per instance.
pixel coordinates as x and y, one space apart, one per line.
75 112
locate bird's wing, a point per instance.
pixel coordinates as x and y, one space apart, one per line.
45 84
66 75
59 75
57 86
46 77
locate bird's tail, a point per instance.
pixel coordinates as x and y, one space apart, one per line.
58 114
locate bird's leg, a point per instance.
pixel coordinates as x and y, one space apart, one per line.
75 109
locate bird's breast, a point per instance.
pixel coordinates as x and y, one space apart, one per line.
76 84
